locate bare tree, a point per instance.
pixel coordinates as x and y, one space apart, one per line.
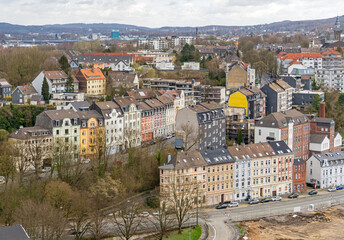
163 221
35 153
190 136
7 161
22 163
127 221
97 224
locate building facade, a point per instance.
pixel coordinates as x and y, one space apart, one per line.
91 81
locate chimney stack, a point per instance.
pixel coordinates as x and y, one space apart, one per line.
322 110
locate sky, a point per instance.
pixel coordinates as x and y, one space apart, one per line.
158 13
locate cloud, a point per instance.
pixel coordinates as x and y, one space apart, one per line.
157 13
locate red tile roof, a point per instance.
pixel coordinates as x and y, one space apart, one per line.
296 56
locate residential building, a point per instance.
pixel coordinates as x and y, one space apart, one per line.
279 96
331 78
220 175
170 85
304 98
65 128
332 59
170 114
239 74
252 100
159 117
131 111
5 88
92 134
325 170
204 93
290 126
91 81
34 145
37 100
178 98
14 232
242 172
114 128
23 94
285 160
191 66
56 80
202 126
299 175
61 100
147 122
143 94
115 61
124 80
308 60
78 106
165 66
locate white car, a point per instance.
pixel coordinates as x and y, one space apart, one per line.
332 189
233 204
144 214
86 161
277 198
156 213
46 169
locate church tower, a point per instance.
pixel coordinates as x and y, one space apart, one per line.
337 30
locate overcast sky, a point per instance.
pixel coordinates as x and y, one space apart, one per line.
158 13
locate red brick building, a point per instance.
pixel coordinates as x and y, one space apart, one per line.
147 122
299 175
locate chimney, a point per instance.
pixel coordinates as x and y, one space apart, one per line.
322 110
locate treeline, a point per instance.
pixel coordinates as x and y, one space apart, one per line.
14 116
21 65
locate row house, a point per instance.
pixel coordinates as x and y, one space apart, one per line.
33 146
251 99
56 80
279 96
107 60
202 126
147 122
326 170
239 74
238 173
178 98
65 128
299 175
170 114
131 111
92 134
91 81
290 126
114 128
159 117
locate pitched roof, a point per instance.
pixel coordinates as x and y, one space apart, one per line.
92 73
281 119
27 89
16 232
299 161
61 114
107 105
142 93
296 56
187 159
4 83
121 76
79 105
317 138
251 151
154 103
125 101
55 74
144 106
280 147
217 156
211 105
37 98
164 99
198 108
85 115
283 84
24 133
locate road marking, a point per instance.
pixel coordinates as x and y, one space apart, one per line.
214 230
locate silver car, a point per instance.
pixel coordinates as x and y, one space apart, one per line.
332 189
233 204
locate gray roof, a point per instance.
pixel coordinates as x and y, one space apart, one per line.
61 114
217 156
85 115
183 160
280 147
80 105
317 138
16 232
299 161
104 59
25 133
330 157
37 98
281 119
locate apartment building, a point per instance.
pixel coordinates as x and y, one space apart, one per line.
159 117
331 78
131 111
178 98
309 60
252 100
210 93
34 146
92 134
65 128
170 114
113 120
290 126
61 100
299 175
326 170
147 122
239 74
91 81
202 126
115 61
279 96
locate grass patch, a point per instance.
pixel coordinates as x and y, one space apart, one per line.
242 230
195 234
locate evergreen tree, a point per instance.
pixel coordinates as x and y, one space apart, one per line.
64 64
45 89
69 84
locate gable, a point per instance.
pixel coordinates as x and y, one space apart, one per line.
238 99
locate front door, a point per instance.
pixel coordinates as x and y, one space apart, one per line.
261 192
222 197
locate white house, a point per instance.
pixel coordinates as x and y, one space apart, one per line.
194 66
326 169
165 66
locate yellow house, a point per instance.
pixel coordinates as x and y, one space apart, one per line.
91 81
92 133
238 100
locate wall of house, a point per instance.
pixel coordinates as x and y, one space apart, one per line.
236 78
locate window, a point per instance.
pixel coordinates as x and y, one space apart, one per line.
66 131
57 132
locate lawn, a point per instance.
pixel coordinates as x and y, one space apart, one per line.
195 234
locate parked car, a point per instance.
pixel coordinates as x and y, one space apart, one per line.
144 214
266 200
222 206
339 187
332 189
233 204
156 213
277 198
313 192
226 202
254 201
293 195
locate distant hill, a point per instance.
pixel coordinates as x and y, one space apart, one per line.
105 28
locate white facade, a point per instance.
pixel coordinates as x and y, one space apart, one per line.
193 66
114 130
262 133
170 120
166 66
326 169
296 66
132 126
332 78
319 147
242 179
